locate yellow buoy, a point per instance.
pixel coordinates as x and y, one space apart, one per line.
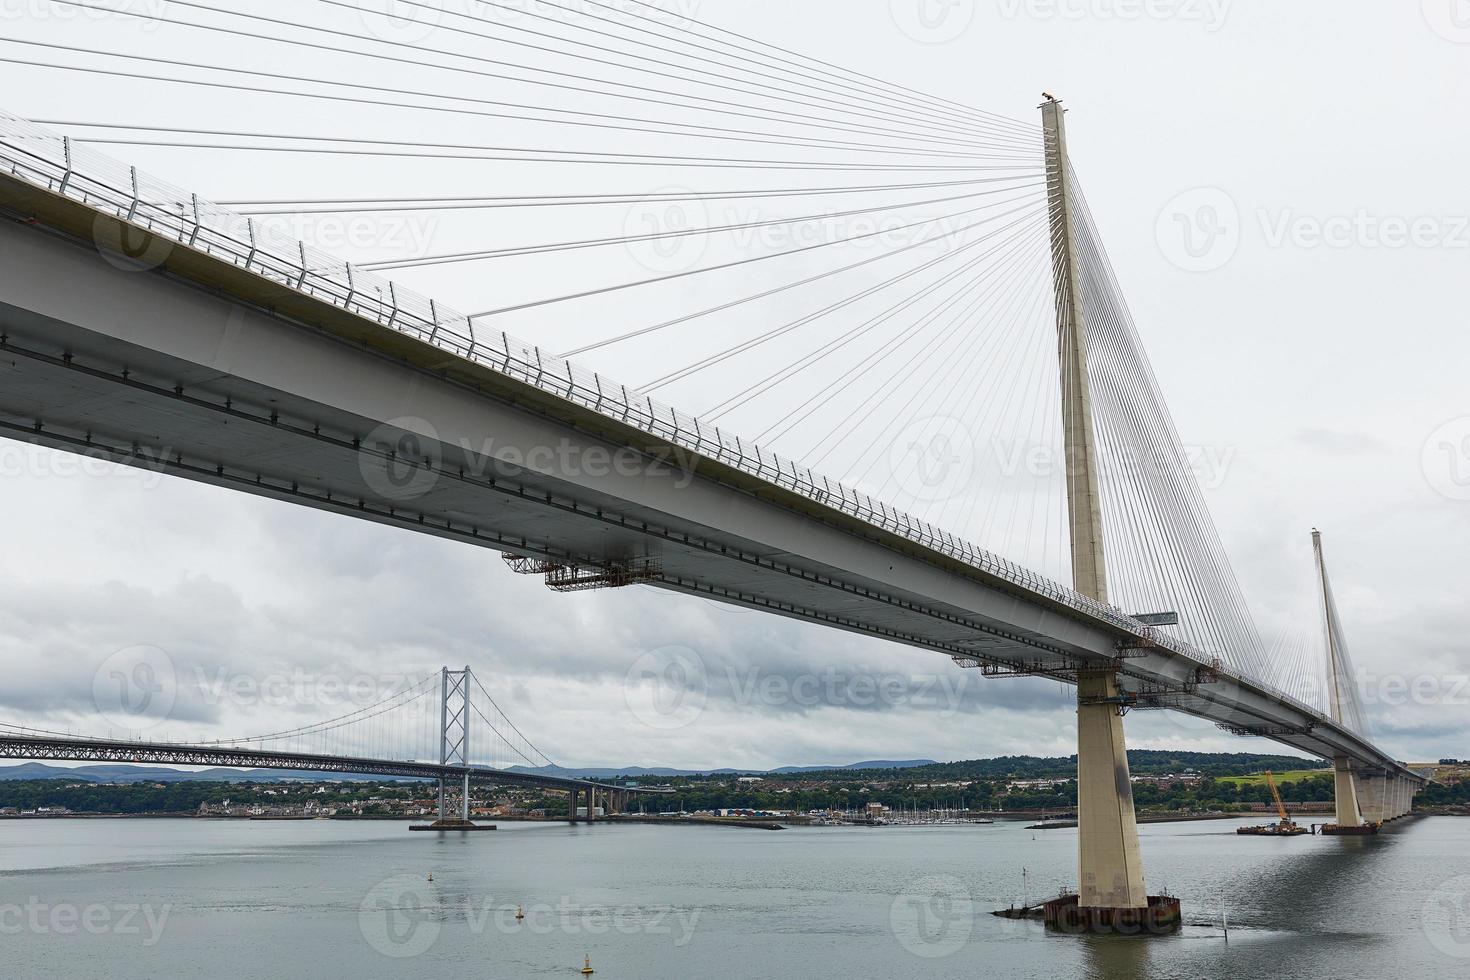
587 966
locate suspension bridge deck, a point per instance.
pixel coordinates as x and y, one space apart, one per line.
165 753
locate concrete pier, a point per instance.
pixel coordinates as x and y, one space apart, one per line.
1345 793
1109 866
1371 798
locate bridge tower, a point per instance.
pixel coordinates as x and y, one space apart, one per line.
454 738
1109 866
1345 791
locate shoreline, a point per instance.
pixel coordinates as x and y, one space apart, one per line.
1009 817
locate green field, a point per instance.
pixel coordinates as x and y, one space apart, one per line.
1259 778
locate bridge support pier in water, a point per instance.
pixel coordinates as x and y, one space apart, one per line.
1111 894
1372 802
1109 868
1350 818
1403 798
1379 799
1345 793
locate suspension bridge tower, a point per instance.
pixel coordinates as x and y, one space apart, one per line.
1111 893
454 749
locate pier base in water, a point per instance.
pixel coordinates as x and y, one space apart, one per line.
455 824
1160 917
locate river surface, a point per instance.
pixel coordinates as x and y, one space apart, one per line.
113 899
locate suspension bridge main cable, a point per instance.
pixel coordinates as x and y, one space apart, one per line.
545 759
396 700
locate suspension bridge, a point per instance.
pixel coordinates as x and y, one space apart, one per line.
960 301
421 731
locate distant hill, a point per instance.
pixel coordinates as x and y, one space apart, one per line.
877 764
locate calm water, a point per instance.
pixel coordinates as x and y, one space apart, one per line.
187 898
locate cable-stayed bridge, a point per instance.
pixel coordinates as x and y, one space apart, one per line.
445 727
146 325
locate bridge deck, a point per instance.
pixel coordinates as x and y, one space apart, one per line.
162 753
214 366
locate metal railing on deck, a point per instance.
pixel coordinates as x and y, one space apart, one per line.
62 165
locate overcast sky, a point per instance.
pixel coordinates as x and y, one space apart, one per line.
1281 189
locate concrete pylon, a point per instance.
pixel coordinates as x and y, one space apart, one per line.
1109 866
1084 501
1345 792
1372 798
